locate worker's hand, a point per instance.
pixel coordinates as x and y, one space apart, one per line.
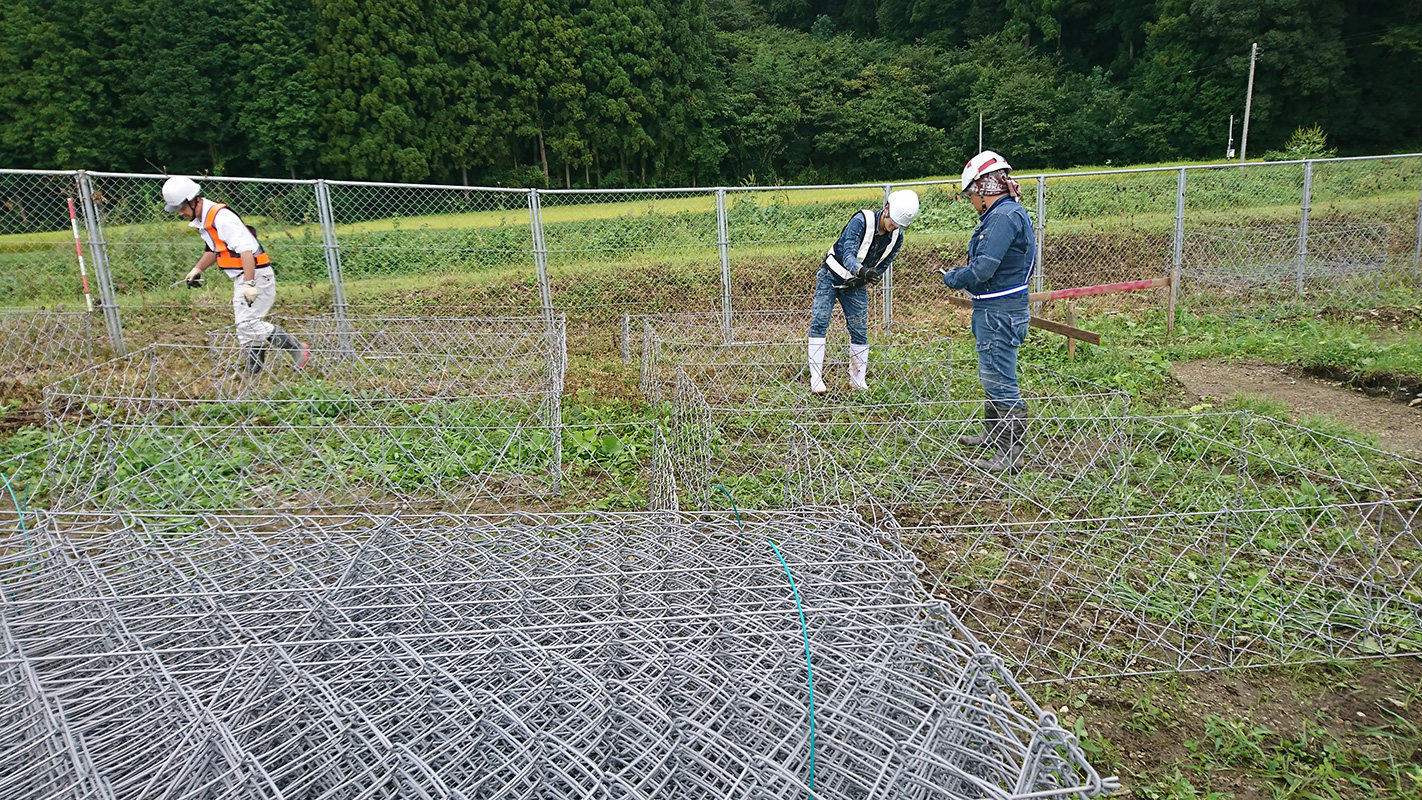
870 275
194 278
249 292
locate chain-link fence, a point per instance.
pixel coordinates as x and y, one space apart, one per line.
1339 231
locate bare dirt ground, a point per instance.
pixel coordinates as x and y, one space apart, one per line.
1397 425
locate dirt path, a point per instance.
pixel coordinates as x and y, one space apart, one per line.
1398 427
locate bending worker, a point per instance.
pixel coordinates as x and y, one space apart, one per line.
864 252
1000 259
233 246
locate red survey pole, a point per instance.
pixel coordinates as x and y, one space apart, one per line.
79 251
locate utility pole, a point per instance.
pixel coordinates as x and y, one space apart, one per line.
980 131
1229 146
1248 99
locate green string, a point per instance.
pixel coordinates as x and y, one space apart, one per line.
804 629
19 507
809 670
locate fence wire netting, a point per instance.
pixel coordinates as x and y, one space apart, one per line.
600 255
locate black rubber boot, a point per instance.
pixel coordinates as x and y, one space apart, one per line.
1012 440
298 350
254 358
990 426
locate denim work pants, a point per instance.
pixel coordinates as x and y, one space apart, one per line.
855 303
998 333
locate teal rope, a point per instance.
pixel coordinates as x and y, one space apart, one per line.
739 524
804 629
19 507
809 670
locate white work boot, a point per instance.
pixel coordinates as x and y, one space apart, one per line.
858 365
817 365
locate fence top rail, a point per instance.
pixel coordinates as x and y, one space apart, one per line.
446 186
1229 164
39 172
712 189
216 178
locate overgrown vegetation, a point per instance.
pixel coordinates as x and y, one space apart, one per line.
1329 731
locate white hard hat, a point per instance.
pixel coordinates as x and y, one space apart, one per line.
903 207
980 165
178 190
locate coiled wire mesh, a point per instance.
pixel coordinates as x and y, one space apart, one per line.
596 655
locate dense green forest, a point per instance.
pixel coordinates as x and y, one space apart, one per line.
614 93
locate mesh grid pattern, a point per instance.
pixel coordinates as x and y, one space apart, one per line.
38 265
438 250
601 255
643 655
148 249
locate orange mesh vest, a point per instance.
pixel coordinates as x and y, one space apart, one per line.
226 258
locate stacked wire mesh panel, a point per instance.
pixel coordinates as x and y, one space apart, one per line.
593 655
745 420
463 416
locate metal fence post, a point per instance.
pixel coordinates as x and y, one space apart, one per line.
1039 275
99 256
1417 239
888 282
723 245
1177 253
625 337
540 259
1303 227
551 326
331 248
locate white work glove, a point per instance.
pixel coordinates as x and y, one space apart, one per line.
249 292
194 278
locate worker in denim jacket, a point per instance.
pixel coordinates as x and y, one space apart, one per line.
1001 255
863 253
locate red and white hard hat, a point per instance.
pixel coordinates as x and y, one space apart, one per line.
980 165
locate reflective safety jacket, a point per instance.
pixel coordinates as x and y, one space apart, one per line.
238 239
1001 256
860 244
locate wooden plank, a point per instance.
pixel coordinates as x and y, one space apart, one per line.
1045 324
1104 288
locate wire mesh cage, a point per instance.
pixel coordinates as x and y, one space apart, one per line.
744 419
629 655
36 345
1201 542
429 419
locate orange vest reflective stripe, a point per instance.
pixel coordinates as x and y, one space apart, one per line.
226 258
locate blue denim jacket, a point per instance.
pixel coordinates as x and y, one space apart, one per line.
1000 256
846 249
